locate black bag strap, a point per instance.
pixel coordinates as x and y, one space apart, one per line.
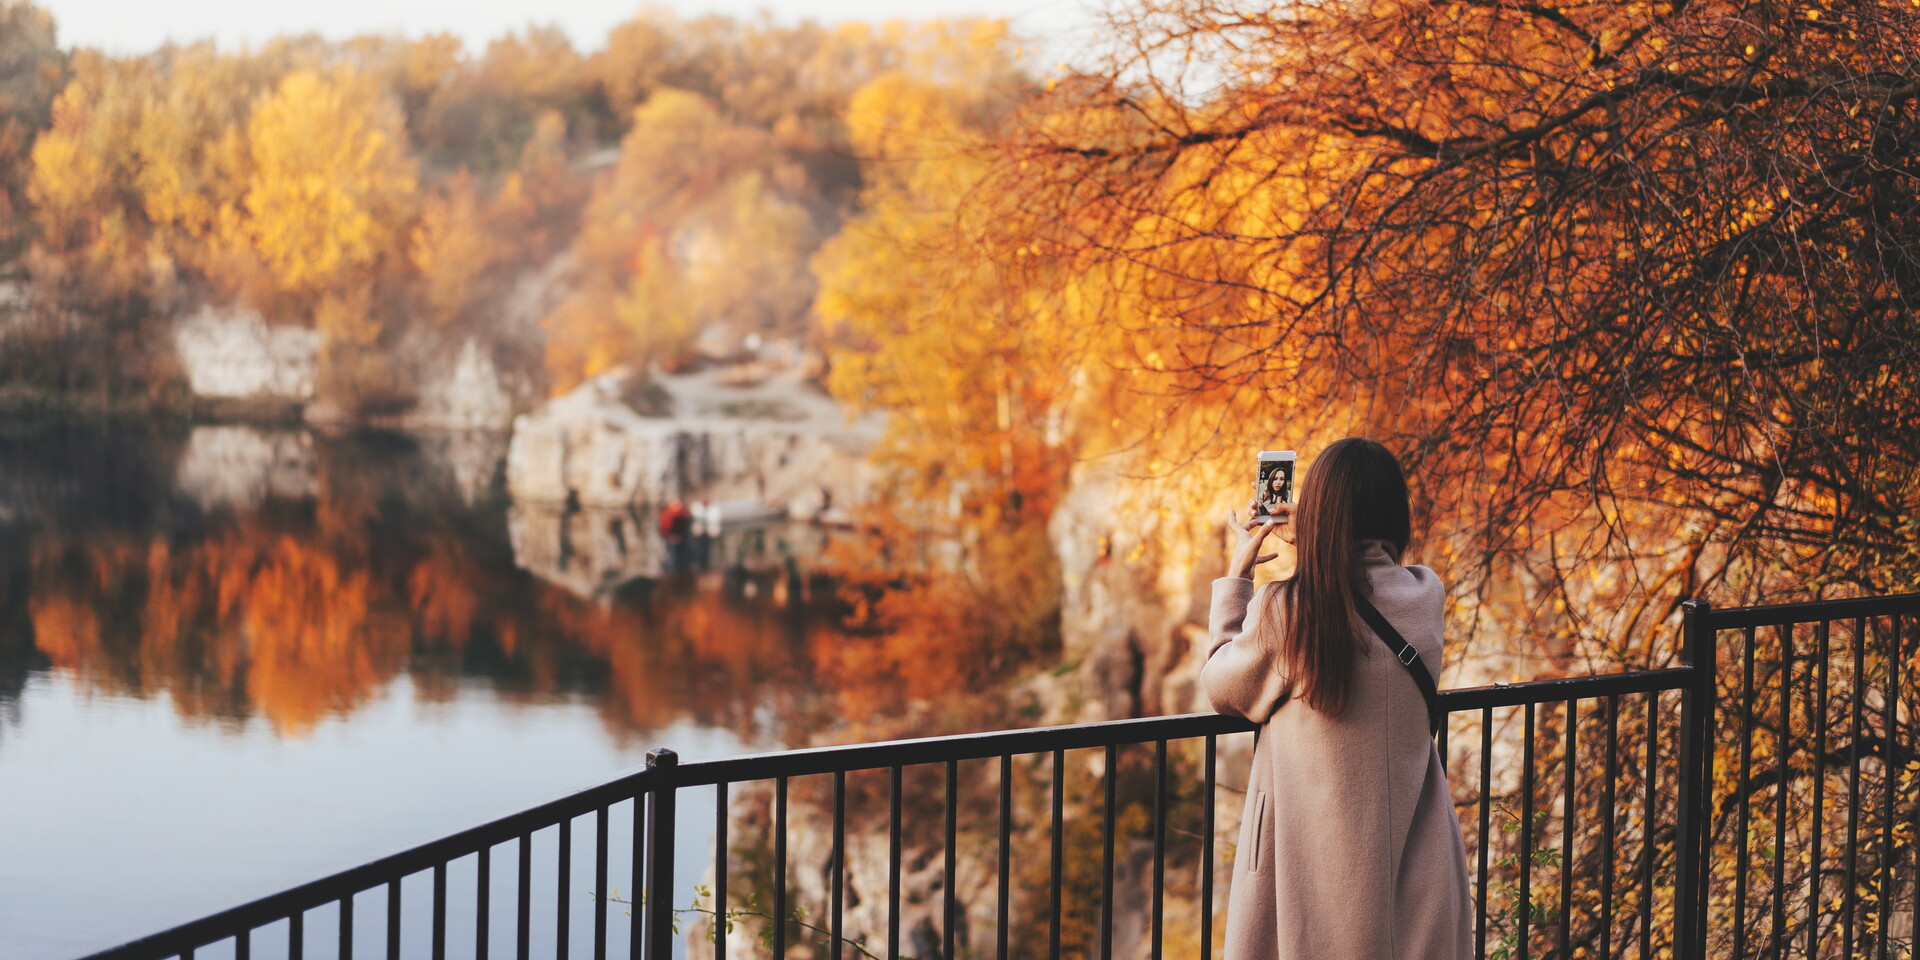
1408 657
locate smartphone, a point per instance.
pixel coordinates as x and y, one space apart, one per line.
1272 484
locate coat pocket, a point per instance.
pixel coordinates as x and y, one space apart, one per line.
1259 831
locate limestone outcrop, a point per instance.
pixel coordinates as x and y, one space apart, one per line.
1135 581
772 442
236 354
466 395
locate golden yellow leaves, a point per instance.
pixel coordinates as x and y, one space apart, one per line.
453 245
75 174
332 178
68 184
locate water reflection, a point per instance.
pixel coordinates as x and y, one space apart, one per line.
246 573
234 466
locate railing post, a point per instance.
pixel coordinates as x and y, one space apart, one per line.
663 765
1696 746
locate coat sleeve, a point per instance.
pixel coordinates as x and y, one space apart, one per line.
1240 674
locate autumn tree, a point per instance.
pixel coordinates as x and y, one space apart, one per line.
192 160
489 108
453 248
32 71
935 343
331 181
1625 283
91 236
702 221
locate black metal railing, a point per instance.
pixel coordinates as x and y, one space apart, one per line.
1809 776
1606 816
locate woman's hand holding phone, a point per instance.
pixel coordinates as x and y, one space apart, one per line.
1247 555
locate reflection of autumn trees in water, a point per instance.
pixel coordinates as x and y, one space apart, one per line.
255 620
301 611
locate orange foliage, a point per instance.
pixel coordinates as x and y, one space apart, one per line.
299 624
1473 230
65 629
315 645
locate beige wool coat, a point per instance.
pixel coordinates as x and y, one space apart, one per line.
1350 848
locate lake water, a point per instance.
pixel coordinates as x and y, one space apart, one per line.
235 659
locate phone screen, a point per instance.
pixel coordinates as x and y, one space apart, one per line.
1273 485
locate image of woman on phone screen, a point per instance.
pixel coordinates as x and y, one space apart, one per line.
1276 491
1349 845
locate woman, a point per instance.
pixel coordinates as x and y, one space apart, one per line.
1349 847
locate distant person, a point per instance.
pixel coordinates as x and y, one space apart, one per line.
676 521
1349 847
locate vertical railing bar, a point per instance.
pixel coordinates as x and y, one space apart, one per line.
563 891
1611 771
1853 789
836 890
297 935
482 902
1742 856
393 919
1440 742
1206 855
1817 716
1485 842
1695 780
1783 751
636 897
523 937
1157 950
949 869
440 911
1649 807
600 892
663 771
720 857
1524 912
780 866
1107 812
893 863
1566 829
1053 884
1710 712
1005 862
346 929
243 945
1889 744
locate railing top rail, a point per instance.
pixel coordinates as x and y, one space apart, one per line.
1564 688
1781 614
966 746
980 746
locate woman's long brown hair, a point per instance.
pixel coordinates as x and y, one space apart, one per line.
1355 491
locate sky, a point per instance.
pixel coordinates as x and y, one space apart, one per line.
136 26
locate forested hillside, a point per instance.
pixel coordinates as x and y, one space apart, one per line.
391 192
